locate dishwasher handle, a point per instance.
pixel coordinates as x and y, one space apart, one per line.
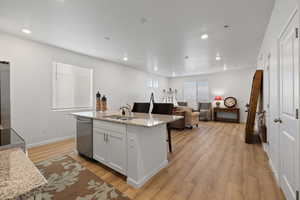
83 120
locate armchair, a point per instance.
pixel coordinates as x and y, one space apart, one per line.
191 118
205 111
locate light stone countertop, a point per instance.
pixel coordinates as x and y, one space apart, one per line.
138 119
18 175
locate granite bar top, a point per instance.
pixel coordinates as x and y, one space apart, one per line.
18 175
9 138
138 119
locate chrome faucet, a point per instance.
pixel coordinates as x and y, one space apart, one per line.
127 107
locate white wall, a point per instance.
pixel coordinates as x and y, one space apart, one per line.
236 83
31 87
283 10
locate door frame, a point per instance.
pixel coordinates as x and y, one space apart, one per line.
266 63
282 32
273 128
266 101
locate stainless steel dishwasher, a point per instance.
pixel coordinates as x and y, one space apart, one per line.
85 136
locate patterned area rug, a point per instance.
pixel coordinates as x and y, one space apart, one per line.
68 180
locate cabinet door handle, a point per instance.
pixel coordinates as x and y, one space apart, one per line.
104 136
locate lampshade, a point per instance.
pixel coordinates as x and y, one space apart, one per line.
218 98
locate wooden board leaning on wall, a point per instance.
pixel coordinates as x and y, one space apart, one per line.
250 136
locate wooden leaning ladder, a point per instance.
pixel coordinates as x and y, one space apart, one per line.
255 93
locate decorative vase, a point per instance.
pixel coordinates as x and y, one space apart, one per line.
104 103
98 102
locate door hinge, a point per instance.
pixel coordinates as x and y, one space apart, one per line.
297 33
297 195
297 113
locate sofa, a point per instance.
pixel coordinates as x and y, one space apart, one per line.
191 118
182 103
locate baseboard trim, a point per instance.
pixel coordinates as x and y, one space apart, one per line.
266 148
49 141
271 164
274 171
140 183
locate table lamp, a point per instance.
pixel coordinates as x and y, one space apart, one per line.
218 99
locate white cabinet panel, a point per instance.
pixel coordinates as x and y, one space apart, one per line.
117 151
109 145
99 146
136 152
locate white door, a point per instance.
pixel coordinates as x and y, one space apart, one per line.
289 104
273 129
117 151
100 145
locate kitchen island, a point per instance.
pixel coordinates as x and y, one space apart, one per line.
134 145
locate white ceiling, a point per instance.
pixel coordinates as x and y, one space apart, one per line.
172 30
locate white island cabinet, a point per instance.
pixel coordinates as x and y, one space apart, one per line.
135 147
109 145
146 153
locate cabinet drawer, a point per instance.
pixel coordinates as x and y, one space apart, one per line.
110 126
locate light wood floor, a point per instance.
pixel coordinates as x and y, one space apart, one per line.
211 162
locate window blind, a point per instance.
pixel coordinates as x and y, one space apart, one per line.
72 86
195 92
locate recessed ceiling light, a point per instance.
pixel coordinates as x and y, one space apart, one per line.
156 69
143 20
204 36
125 58
25 30
218 58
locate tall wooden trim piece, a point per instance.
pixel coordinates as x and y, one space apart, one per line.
255 92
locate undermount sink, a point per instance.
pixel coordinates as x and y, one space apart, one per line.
119 117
